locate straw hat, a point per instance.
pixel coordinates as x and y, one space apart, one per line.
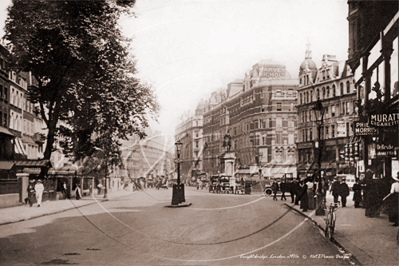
39 180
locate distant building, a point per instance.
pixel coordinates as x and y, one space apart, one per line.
189 132
259 115
149 157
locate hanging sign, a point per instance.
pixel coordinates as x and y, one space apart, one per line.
363 129
384 120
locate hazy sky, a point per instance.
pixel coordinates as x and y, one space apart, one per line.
188 48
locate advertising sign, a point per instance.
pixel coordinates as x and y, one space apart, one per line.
341 129
384 120
385 150
273 72
363 129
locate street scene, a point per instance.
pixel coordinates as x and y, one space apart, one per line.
199 132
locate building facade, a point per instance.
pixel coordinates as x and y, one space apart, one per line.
331 84
258 115
373 58
22 130
189 132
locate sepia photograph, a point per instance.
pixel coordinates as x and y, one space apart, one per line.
199 132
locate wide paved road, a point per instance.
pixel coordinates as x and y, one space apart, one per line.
218 229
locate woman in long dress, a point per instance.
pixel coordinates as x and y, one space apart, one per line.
78 193
303 196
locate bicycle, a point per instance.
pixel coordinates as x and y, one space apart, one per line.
330 221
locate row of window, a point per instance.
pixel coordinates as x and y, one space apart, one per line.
326 132
20 124
334 110
324 93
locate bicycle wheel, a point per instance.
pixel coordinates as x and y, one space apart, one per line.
326 231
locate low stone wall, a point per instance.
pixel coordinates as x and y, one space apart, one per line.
9 200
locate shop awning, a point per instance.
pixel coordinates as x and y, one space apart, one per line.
6 165
33 163
28 140
4 130
279 170
19 147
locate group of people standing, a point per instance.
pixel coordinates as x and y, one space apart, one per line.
35 191
372 194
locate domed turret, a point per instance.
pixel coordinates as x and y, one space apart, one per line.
308 63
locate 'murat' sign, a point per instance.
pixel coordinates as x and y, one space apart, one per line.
384 120
274 72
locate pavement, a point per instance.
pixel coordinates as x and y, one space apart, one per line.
368 241
25 212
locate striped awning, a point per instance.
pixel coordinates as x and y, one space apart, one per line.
19 147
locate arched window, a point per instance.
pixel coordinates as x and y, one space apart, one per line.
300 98
307 97
324 92
318 94
328 91
348 87
333 90
341 86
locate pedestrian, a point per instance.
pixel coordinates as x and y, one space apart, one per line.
39 188
294 189
303 196
343 191
371 188
274 189
334 190
64 190
357 193
310 191
78 192
392 202
31 192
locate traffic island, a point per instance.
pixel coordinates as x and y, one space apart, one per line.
178 205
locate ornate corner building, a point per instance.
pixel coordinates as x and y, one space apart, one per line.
258 115
333 85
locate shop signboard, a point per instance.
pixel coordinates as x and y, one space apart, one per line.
385 150
384 119
363 129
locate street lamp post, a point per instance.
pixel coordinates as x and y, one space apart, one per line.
318 111
106 180
178 189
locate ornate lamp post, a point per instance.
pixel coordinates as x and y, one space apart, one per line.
318 111
178 189
178 145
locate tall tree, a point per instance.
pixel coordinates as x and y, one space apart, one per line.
85 74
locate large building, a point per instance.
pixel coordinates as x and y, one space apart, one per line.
331 84
258 114
189 132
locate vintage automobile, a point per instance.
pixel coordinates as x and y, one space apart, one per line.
220 183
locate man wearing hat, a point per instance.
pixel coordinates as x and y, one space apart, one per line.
392 201
31 191
39 188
